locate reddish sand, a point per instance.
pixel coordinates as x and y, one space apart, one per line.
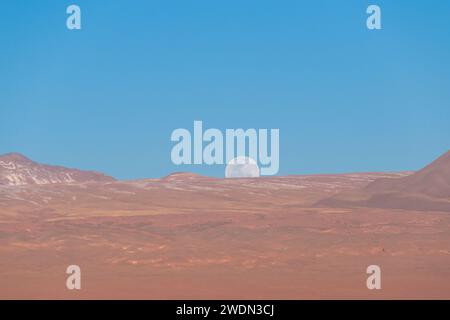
188 237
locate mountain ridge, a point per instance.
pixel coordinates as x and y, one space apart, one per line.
425 190
17 169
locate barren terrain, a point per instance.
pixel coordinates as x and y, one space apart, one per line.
191 237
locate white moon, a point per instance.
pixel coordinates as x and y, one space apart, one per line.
242 167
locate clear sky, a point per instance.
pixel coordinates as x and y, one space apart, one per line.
107 97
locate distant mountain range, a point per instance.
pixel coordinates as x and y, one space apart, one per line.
16 169
425 190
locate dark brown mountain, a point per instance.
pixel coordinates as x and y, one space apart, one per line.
426 190
16 169
433 181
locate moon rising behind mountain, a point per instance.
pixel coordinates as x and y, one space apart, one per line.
242 167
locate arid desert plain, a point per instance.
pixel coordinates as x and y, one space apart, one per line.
186 236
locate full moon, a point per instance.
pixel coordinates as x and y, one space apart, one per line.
242 167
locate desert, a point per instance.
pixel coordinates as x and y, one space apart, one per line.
187 236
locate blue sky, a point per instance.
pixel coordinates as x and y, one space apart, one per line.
107 97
